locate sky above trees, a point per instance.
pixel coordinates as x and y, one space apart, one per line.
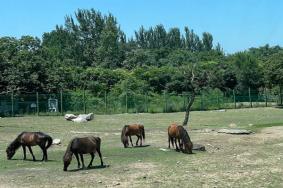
236 25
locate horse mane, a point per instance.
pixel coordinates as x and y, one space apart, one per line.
15 144
184 134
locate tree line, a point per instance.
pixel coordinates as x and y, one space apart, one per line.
90 51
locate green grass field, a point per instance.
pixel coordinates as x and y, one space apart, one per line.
230 160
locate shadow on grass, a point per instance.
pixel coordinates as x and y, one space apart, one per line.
180 151
30 160
143 146
89 168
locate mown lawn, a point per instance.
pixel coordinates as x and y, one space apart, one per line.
230 160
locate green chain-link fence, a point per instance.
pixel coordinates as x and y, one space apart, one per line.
15 104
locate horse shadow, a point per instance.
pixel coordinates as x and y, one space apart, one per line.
30 160
89 168
142 146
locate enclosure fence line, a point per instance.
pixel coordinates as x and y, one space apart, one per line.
18 104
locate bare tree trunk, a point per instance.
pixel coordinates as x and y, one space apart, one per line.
188 109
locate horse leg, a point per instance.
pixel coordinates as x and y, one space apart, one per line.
29 148
180 145
100 156
169 141
175 140
44 152
82 159
131 141
137 139
24 150
92 157
141 140
78 160
172 141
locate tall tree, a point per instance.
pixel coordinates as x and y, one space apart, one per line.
207 41
174 38
108 50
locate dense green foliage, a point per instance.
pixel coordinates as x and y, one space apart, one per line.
91 52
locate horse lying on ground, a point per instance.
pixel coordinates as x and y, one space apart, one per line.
130 130
177 132
28 139
80 146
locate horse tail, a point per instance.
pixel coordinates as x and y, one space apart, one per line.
98 142
49 141
168 132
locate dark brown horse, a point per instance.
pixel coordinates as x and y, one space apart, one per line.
80 146
178 133
130 130
28 139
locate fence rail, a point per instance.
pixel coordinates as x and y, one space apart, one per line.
14 104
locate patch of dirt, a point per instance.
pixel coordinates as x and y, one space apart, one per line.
272 132
137 174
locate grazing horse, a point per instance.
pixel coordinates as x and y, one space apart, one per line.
130 130
80 146
28 139
177 132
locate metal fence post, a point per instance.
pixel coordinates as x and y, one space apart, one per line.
37 104
280 94
146 105
165 102
126 102
12 105
61 101
234 96
250 98
265 92
105 102
135 103
184 101
201 102
218 102
84 102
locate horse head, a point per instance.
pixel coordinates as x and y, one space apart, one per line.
124 137
11 149
67 160
10 152
188 145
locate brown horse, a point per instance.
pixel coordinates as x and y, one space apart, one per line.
130 130
177 132
28 139
80 146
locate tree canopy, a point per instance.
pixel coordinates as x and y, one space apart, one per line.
90 51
